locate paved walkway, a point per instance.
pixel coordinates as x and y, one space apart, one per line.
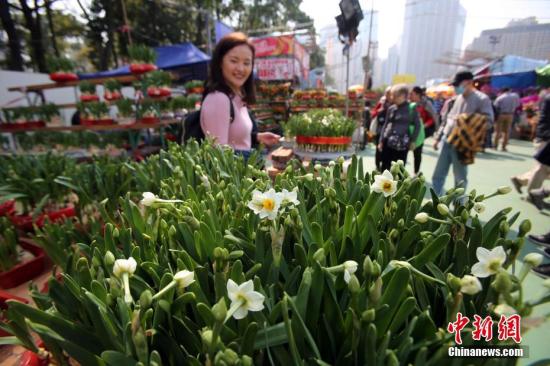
490 171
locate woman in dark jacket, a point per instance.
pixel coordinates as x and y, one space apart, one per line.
396 138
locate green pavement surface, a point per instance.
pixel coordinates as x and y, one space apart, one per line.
491 170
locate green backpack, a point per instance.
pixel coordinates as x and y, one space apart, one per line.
422 134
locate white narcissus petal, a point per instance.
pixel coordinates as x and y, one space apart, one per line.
240 313
483 255
255 301
480 270
184 278
232 290
470 285
386 174
247 286
347 276
499 254
148 199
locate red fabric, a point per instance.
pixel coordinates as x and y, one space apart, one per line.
425 116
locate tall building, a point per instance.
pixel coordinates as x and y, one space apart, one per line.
335 61
388 68
524 38
432 29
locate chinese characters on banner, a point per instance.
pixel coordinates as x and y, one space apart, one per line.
284 53
276 68
508 328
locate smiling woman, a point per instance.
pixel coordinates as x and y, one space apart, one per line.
230 88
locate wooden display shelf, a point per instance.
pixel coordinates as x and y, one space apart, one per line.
126 79
305 109
133 126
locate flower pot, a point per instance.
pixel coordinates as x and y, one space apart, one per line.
195 90
4 297
25 271
158 92
7 208
25 222
63 77
29 358
98 122
89 98
148 120
138 69
112 96
125 120
34 124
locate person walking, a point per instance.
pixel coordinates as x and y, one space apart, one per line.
506 105
378 122
469 101
429 121
397 138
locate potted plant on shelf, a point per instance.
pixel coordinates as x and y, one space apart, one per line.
61 69
20 260
88 92
142 59
112 90
126 113
95 114
194 87
321 130
48 112
158 84
149 112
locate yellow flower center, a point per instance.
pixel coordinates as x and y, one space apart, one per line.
386 186
268 204
494 265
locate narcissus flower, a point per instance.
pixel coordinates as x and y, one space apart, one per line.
290 197
490 261
265 204
422 217
479 207
184 278
470 285
384 184
243 299
350 267
533 259
122 266
150 199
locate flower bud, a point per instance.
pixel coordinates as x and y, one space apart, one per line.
319 179
220 310
308 177
376 291
172 231
236 254
318 167
330 192
401 224
368 266
459 191
353 285
502 282
533 259
464 216
504 227
145 300
421 218
443 209
368 315
453 282
206 337
341 160
394 234
524 227
109 258
504 190
319 255
377 269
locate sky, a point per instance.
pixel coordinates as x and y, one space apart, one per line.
480 15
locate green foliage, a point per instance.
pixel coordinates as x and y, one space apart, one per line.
393 310
112 85
321 122
157 78
193 84
8 244
43 112
140 53
60 64
93 110
87 87
125 107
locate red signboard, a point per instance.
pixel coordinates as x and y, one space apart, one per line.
277 68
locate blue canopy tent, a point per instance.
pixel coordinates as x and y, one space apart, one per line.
510 72
187 59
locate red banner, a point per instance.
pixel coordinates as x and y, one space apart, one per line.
323 140
273 46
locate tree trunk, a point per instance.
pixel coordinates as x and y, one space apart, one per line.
34 27
15 61
47 4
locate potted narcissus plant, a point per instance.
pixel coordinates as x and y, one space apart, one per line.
125 111
142 59
112 90
148 111
61 69
321 130
94 113
158 84
87 92
194 87
20 259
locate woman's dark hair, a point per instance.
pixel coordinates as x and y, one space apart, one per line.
418 90
215 81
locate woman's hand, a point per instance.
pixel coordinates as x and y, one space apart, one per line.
268 138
